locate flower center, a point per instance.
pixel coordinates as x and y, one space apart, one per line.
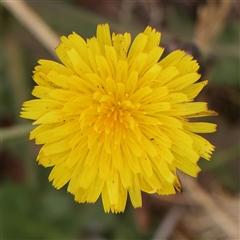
113 116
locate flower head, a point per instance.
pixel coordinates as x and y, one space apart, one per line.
113 118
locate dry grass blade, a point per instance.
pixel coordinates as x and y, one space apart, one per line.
14 132
167 226
198 196
24 14
212 18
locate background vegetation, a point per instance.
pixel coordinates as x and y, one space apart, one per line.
209 206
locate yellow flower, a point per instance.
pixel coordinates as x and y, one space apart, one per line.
113 119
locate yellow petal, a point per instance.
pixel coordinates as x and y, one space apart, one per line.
200 127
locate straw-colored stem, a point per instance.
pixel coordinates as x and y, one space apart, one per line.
24 14
14 132
212 18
